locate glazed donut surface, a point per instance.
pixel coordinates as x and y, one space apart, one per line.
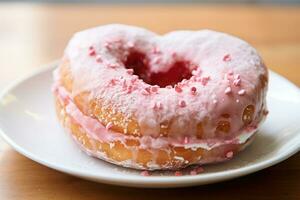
200 93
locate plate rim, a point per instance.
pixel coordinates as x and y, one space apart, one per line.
136 181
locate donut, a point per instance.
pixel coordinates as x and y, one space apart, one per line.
145 101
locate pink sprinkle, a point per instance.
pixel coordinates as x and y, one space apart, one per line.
91 47
92 52
237 82
193 90
230 72
109 125
154 88
130 71
182 103
241 92
228 90
148 89
215 101
227 58
112 65
186 140
113 81
178 173
205 80
229 154
178 89
145 92
238 101
98 59
145 173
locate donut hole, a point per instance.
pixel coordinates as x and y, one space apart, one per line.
139 62
177 72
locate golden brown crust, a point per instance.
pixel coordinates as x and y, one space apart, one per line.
116 152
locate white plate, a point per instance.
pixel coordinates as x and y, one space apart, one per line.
28 123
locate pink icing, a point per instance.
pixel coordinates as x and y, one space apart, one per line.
217 62
99 132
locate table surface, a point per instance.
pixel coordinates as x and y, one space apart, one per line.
34 34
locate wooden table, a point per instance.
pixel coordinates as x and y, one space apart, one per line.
33 35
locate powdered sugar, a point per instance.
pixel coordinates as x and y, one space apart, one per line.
205 49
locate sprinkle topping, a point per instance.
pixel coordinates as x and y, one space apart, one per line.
92 52
228 90
178 89
113 81
182 103
227 58
237 82
193 90
129 71
154 89
112 65
145 92
241 92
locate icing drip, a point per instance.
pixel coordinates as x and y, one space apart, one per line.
99 132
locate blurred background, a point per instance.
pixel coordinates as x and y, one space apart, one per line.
34 33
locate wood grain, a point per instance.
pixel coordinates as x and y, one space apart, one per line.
33 34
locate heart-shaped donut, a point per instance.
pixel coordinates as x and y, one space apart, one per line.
137 99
